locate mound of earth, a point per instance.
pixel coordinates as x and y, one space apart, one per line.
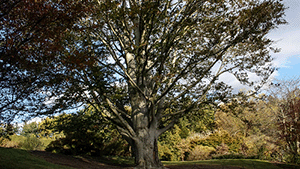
84 163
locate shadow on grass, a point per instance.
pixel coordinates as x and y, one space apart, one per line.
289 166
113 161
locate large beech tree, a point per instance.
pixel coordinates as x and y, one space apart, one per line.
143 64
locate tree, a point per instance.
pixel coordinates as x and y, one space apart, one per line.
31 33
247 116
161 59
290 126
285 94
30 129
6 130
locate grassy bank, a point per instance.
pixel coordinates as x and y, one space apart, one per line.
21 159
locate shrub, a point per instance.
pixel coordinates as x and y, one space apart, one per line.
168 145
217 138
222 149
115 146
201 153
264 148
31 143
85 133
11 144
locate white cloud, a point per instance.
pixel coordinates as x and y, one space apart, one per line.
36 119
289 42
287 37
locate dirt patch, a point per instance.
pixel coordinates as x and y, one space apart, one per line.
89 163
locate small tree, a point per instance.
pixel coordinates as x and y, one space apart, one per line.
284 97
30 129
6 130
289 125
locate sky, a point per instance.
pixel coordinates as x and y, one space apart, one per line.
287 37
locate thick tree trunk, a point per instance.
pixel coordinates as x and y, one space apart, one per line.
145 141
146 153
143 116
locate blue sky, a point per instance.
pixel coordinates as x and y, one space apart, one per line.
287 38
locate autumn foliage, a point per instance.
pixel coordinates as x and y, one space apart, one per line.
289 125
31 41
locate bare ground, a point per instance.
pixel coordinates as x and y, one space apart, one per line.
89 163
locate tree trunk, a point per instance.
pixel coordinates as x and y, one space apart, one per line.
146 153
145 141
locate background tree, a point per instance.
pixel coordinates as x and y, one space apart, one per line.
160 58
284 97
6 130
290 126
252 118
30 128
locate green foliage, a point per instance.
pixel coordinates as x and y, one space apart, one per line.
14 141
172 147
30 128
85 133
174 144
200 152
201 120
47 130
31 143
168 144
217 138
6 130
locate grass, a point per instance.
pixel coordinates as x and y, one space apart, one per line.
21 159
245 163
112 160
17 139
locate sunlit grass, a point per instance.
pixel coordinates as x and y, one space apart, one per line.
21 159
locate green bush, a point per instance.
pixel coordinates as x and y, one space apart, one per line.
168 145
86 133
218 138
289 158
31 143
222 149
201 153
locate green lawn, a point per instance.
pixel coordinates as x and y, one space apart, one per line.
245 163
21 159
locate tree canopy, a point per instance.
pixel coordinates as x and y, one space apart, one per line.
144 64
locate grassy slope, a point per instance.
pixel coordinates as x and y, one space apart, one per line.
21 159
